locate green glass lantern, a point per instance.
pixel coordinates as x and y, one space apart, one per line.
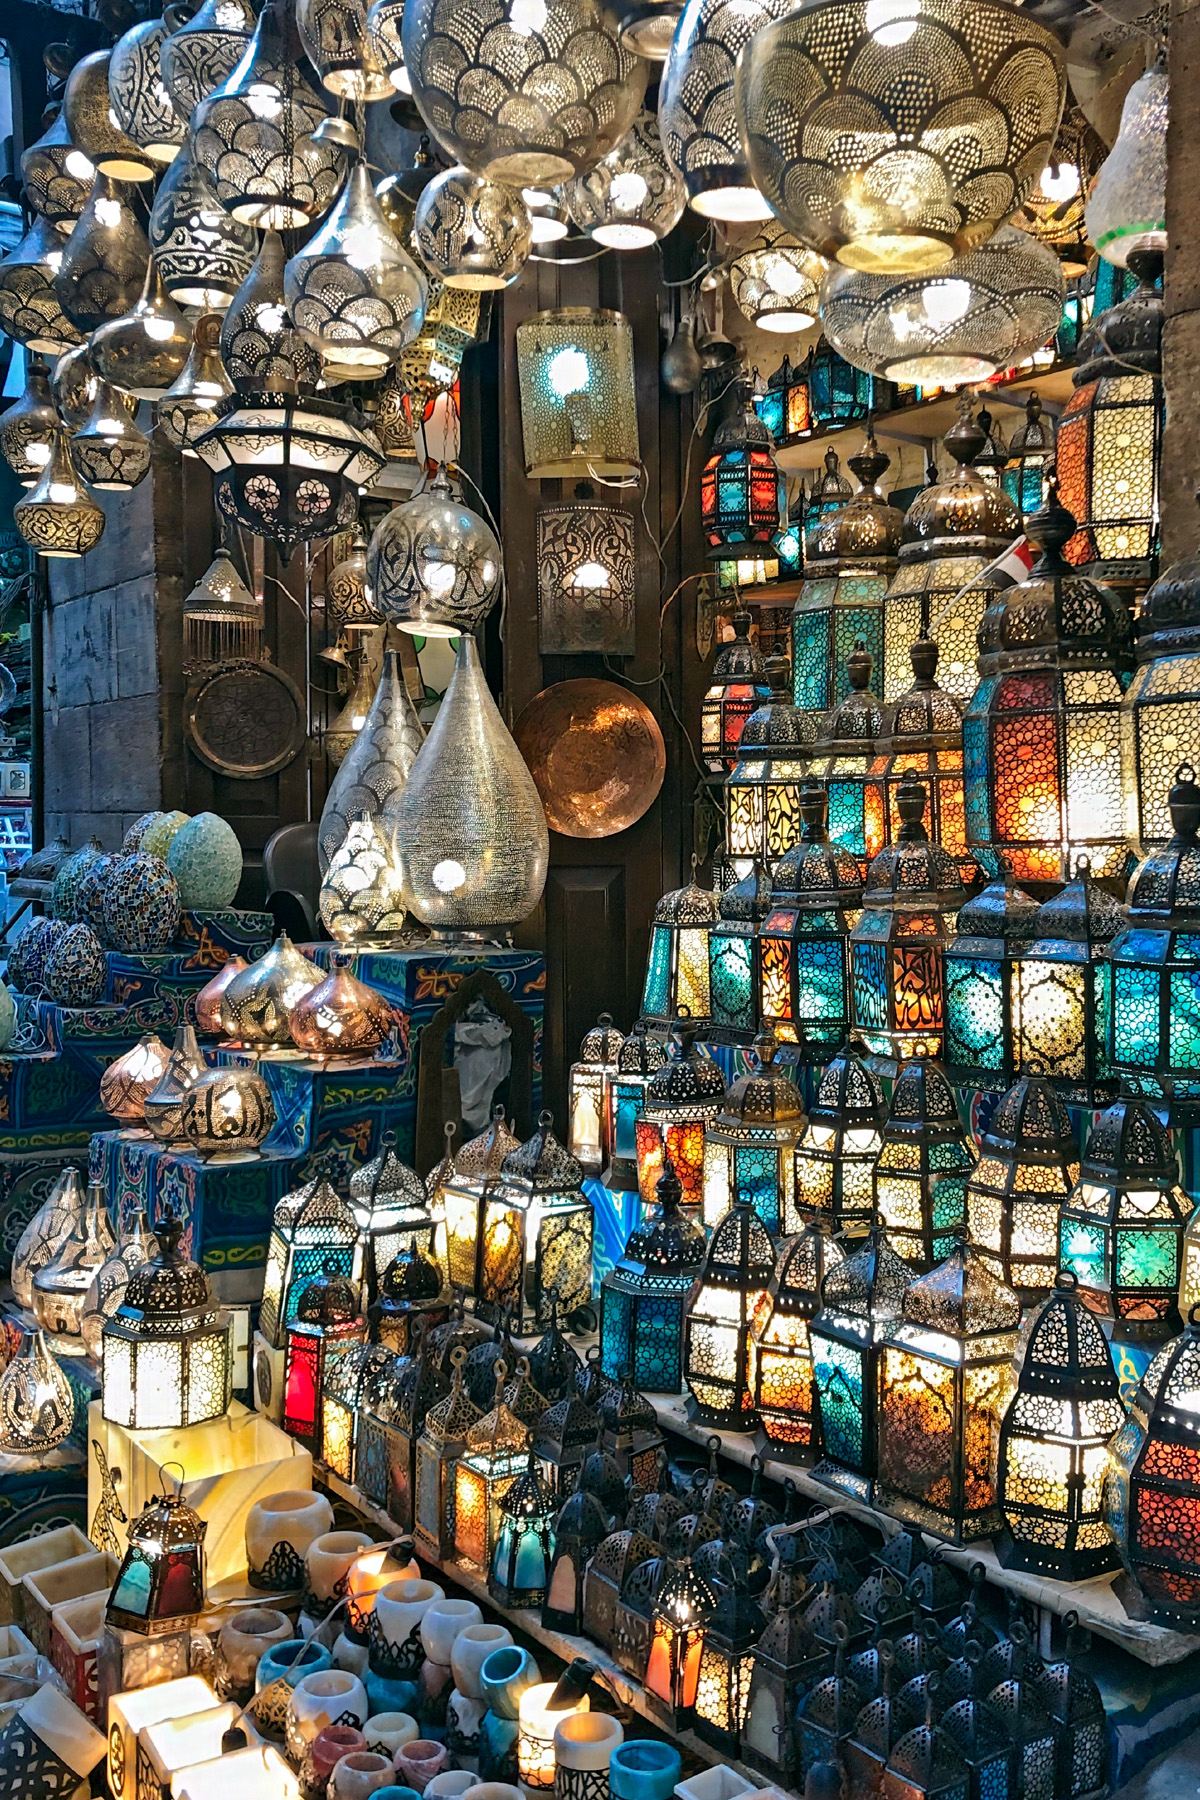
644 1297
803 942
677 978
860 1301
638 1061
1025 477
923 736
835 1159
748 1147
733 956
839 394
1160 715
1028 1165
1063 993
846 745
991 930
519 1572
537 1233
737 1268
829 494
780 1351
922 1168
762 795
683 1098
736 686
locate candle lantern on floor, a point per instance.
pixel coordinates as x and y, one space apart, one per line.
922 1168
846 746
835 1158
803 953
167 1351
638 1060
737 1268
442 1442
1073 1703
825 1716
786 1658
519 1571
1121 1229
1053 1443
1034 1735
312 1231
1063 998
410 1298
682 1100
780 1352
923 736
495 1455
619 1554
588 1083
737 685
762 794
1028 1165
391 1210
723 1682
537 1234
350 1379
579 1529
682 1611
476 1171
160 1584
677 981
977 1732
945 1380
392 1419
979 962
733 956
748 1147
644 1298
633 1619
860 1301
326 1325
629 1434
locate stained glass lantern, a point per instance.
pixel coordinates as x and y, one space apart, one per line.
923 736
787 1658
350 1379
748 1147
588 1082
740 486
411 1298
991 930
783 406
1161 713
537 1229
846 743
1109 436
802 943
835 1158
762 794
519 1572
737 686
1053 1443
442 1443
726 1661
476 1171
562 1439
579 1529
780 1352
945 1380
1026 475
677 978
733 956
495 1455
326 1325
922 1168
716 1351
644 1298
1063 997
1044 775
313 1231
913 890
1028 1165
167 1351
682 1100
629 1435
392 1418
578 411
681 1613
839 394
1121 1230
391 1210
1154 1037
160 1584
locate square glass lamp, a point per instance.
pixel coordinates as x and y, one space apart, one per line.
923 1166
803 942
391 1210
538 1227
578 407
980 960
644 1298
1063 996
312 1227
748 1147
677 969
734 1278
861 1300
496 1453
1027 1169
835 1157
682 1101
588 1083
442 1442
638 1060
167 1350
780 1350
476 1170
327 1326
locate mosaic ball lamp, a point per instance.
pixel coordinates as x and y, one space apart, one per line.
205 858
980 962
76 968
922 1168
168 1348
1063 993
682 1101
803 941
141 904
1027 1169
860 1300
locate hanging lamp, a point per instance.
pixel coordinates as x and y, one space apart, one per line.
31 311
775 280
27 427
197 58
700 127
58 517
203 253
1054 212
632 197
1127 205
434 566
93 126
221 617
188 407
140 102
109 449
55 175
104 261
340 49
473 233
146 350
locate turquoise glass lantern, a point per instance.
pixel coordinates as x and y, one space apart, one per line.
733 956
1026 475
860 1301
840 394
1160 716
829 494
740 486
737 685
644 1298
783 408
846 745
677 979
638 1060
519 1571
748 1147
762 794
803 942
835 1159
922 1168
1063 993
789 539
991 930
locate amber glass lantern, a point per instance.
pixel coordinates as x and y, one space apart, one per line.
835 1158
476 1171
638 1061
682 1100
588 1083
677 978
734 956
762 795
644 1298
1121 1231
1028 1165
684 1606
846 746
748 1147
991 930
495 1455
922 1168
736 686
313 1232
898 987
327 1324
1044 775
350 1382
1025 477
1063 997
780 1352
726 1661
716 1354
1054 1443
391 1211
923 737
1160 717
443 1441
803 942
860 1301
537 1229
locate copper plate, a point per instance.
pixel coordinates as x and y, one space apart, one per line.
596 754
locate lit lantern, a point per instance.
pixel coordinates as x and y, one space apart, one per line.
411 1299
394 1411
859 1304
762 795
1063 999
391 1210
128 1082
519 1572
677 980
829 494
1028 1165
1152 1487
736 686
922 1168
803 955
644 1298
588 1085
327 1323
945 1379
684 1606
740 485
726 1660
537 1235
783 408
682 1100
991 930
737 1269
1154 968
1054 1443
1121 1230
923 737
1044 776
840 394
578 403
442 1442
160 1584
313 1230
748 1147
476 1171
579 1530
846 743
780 1352
733 956
1025 477
913 890
849 552
835 1159
1160 718
349 1380
638 1061
167 1351
495 1455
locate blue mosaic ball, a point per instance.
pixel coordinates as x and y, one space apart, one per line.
133 837
75 968
64 895
27 958
141 904
91 893
206 860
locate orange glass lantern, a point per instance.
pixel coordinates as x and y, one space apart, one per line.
923 737
737 685
682 1099
685 1604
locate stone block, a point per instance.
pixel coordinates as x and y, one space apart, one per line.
125 754
85 630
137 650
68 760
1178 467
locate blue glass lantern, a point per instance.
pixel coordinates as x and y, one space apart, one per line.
737 685
644 1299
803 942
677 978
519 1572
1026 475
783 408
748 1147
1063 993
829 494
846 745
840 394
733 956
922 1168
835 1159
860 1301
638 1060
789 539
762 794
991 930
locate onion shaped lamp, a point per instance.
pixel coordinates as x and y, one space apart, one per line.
632 197
803 942
748 1147
58 517
922 1168
835 1158
860 1301
31 310
1027 1169
737 1269
780 1351
980 962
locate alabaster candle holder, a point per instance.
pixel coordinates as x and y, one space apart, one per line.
279 1531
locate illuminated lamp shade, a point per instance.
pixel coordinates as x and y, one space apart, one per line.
60 1214
111 1279
677 983
945 1380
716 1349
733 956
920 185
1054 212
188 407
548 216
228 1113
28 427
126 1083
1127 205
197 58
737 687
845 750
203 253
410 1299
341 735
1025 477
780 1351
351 1378
348 605
73 386
1121 1230
393 1414
164 1102
104 262
434 566
472 233
476 1171
775 281
789 539
748 1147
256 1005
208 1000
644 1298
1160 720
340 49
979 962
579 1529
441 1445
363 794
578 412
313 1232
341 1016
897 949
167 1350
840 394
93 126
160 1584
140 102
835 1158
860 1300
1053 1447
58 517
588 1082
783 406
802 942
495 1455
538 1227
391 1211
632 197
923 738
255 134
850 550
682 1101
762 792
55 175
31 310
685 1604
740 485
382 31
519 1572
696 110
981 312
1044 778
1108 441
1063 997
535 1747
638 1061
726 1660
1027 1169
923 1166
37 1406
109 450
61 1285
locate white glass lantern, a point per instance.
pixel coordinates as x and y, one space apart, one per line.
313 1232
167 1351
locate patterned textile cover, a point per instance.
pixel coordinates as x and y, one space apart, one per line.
204 943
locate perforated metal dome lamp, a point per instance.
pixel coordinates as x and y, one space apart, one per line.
803 942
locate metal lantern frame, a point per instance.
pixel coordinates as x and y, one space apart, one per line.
1062 1003
588 1081
1025 477
780 1351
979 964
737 1270
167 1350
313 1231
579 1529
733 956
644 1298
787 1658
537 1227
392 1212
519 1570
748 1146
803 942
1027 1169
682 1100
783 405
443 1441
737 686
1160 717
685 1604
763 790
630 1437
677 967
638 1061
740 485
615 1559
464 1194
846 745
563 1438
393 1414
347 1383
326 1326
924 1162
923 738
835 1158
496 1453
860 1301
726 1661
160 1584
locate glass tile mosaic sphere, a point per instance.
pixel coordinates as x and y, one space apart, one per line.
205 858
64 894
141 904
157 838
75 968
91 893
27 958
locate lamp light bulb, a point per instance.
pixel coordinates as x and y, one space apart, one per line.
568 372
892 22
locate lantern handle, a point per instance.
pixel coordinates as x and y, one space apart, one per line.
1066 1281
1193 1317
174 1463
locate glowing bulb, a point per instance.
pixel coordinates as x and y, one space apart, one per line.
946 302
108 212
439 577
37 455
588 575
54 261
63 493
892 22
628 190
783 277
264 101
527 16
158 329
449 876
362 247
270 318
568 372
78 165
113 427
1060 182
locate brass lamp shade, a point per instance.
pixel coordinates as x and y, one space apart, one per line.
373 773
104 263
473 233
139 98
227 1113
88 112
30 308
126 1083
202 54
146 350
56 176
109 450
208 1000
340 1017
189 406
578 410
256 1005
58 517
